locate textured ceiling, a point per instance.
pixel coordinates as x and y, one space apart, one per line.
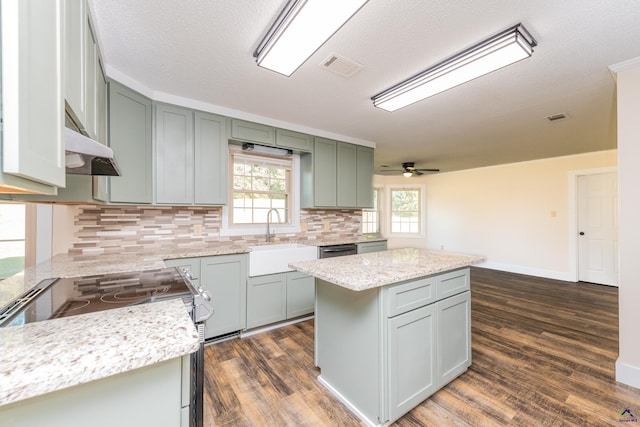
201 50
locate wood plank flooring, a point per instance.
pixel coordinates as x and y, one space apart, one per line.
544 354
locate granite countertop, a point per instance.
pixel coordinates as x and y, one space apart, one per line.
372 270
45 356
42 357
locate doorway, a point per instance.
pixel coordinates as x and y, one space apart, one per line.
596 231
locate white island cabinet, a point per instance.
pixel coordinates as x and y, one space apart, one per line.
391 327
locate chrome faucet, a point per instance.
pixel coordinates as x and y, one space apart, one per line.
269 234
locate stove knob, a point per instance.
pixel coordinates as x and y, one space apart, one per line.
204 293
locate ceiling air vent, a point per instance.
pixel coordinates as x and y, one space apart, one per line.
556 117
341 65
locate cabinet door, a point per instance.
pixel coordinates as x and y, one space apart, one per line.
225 279
253 132
130 139
364 178
454 337
266 299
324 172
100 190
294 140
301 294
411 348
346 175
91 81
174 154
32 92
74 28
211 159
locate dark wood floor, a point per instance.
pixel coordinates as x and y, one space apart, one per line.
544 353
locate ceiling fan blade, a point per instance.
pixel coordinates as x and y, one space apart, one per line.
416 172
428 170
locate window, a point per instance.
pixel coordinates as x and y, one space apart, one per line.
260 183
371 217
406 207
12 239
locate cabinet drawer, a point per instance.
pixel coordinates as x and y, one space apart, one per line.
452 283
408 296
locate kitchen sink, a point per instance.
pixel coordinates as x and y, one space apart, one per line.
270 259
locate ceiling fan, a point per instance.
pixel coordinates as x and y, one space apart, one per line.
409 169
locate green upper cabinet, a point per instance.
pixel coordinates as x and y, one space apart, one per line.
364 177
174 154
337 175
294 140
211 159
253 132
130 140
191 153
32 73
346 175
75 76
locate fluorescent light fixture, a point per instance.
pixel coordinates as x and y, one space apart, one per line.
505 48
301 28
263 149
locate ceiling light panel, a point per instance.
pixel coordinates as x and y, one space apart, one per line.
301 28
505 48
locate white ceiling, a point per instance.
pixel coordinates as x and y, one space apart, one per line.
202 50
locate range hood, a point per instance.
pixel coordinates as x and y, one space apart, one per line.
84 156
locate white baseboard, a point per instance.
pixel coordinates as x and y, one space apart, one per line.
520 269
627 374
348 403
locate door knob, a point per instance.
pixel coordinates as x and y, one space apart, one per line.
582 233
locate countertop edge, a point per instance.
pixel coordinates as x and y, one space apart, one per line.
97 346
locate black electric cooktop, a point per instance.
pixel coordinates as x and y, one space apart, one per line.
55 298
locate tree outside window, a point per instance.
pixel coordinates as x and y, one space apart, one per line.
406 210
260 184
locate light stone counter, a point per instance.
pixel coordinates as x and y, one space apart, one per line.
42 357
372 270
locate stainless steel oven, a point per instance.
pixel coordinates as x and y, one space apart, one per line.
55 298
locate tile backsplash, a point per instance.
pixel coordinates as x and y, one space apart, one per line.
116 229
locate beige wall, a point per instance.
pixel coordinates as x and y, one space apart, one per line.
628 87
506 212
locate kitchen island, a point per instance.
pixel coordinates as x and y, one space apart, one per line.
391 327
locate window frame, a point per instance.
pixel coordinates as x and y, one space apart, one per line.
422 206
377 210
229 229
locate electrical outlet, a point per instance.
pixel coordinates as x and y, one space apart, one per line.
554 214
303 227
197 229
327 226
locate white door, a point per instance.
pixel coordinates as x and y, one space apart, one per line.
598 228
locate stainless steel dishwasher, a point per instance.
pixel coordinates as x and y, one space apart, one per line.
338 250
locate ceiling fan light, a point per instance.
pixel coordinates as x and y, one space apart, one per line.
407 174
505 48
300 29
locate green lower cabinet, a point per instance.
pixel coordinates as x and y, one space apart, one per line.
301 294
277 297
454 337
404 341
266 299
412 359
224 278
